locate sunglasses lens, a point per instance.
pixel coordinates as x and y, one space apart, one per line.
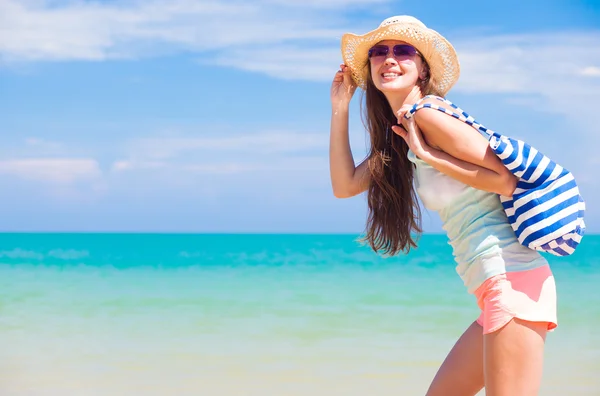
404 50
378 50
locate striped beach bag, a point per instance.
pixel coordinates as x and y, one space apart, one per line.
546 210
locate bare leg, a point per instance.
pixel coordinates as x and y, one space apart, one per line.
461 374
513 359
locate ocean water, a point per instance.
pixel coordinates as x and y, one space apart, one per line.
170 314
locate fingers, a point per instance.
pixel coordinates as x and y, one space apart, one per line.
399 131
343 69
341 74
402 112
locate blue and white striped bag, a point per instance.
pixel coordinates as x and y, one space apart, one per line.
546 210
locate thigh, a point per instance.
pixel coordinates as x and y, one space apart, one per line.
513 358
461 373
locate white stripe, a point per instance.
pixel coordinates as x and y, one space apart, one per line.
553 175
519 191
507 152
576 237
549 221
556 172
519 202
532 153
567 248
539 193
518 161
556 234
542 166
539 249
537 209
510 211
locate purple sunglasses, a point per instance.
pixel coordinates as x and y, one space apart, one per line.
400 51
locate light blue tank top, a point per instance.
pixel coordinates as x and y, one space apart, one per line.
483 242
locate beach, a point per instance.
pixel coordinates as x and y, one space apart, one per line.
184 314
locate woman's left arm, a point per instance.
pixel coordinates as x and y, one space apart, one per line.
456 149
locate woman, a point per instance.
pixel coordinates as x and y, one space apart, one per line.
451 168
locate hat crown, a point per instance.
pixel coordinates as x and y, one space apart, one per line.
402 19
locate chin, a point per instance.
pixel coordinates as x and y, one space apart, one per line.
399 84
394 87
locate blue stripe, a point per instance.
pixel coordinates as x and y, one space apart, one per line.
501 147
531 187
524 185
545 214
550 229
513 155
571 243
560 251
533 166
548 196
525 155
546 174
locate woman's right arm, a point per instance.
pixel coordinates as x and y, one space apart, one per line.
346 179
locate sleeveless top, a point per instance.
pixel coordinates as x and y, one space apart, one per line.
483 242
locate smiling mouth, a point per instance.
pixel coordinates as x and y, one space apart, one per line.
390 75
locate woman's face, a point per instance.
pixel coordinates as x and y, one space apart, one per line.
395 66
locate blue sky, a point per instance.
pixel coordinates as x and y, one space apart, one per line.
213 116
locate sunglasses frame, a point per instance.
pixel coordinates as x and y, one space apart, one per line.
406 54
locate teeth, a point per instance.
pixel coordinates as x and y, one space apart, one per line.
390 74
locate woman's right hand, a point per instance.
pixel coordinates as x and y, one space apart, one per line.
342 87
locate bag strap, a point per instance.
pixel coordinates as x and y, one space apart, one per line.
460 114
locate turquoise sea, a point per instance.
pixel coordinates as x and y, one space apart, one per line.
183 314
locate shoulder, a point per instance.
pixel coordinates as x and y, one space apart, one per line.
439 125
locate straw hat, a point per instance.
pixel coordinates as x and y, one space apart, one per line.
437 51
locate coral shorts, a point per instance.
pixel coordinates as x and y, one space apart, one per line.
527 295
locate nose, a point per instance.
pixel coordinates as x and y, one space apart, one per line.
390 59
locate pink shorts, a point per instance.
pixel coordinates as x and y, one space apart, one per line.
527 295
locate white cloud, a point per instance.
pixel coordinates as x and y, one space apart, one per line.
43 144
533 63
263 151
268 142
62 171
591 71
284 62
516 66
81 30
125 165
285 39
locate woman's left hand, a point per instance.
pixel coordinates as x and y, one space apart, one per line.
410 132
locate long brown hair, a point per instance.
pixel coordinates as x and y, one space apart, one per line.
394 218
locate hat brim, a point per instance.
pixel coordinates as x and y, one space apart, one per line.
437 51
